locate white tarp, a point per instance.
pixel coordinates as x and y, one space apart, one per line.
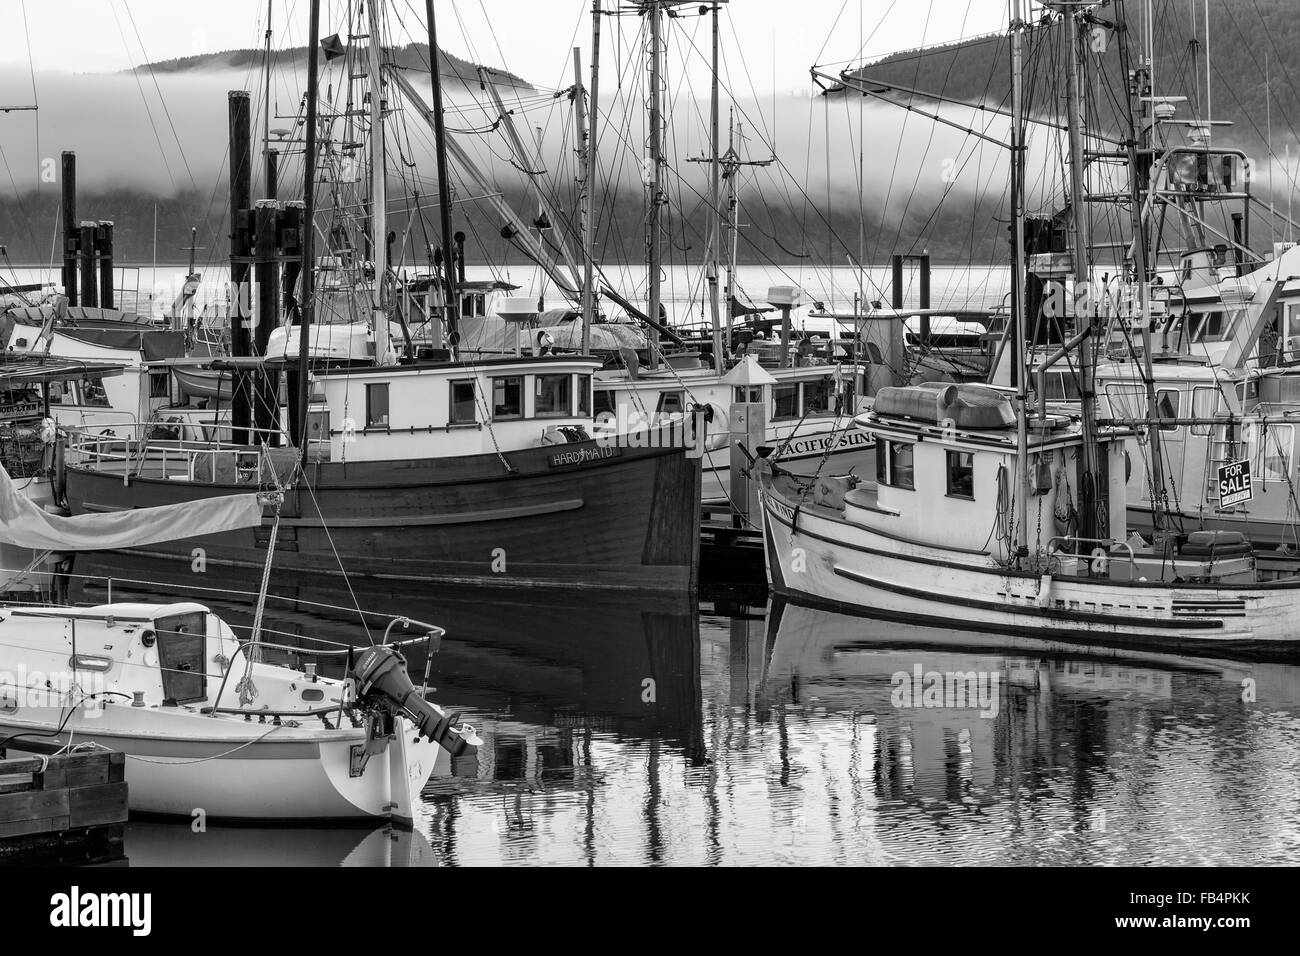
27 525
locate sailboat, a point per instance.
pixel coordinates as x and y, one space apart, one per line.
961 525
172 687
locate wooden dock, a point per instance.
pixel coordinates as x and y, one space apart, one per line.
68 809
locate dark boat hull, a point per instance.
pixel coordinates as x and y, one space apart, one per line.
570 516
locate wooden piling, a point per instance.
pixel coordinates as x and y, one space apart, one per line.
71 231
86 248
104 251
241 250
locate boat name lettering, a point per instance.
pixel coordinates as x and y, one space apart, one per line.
580 456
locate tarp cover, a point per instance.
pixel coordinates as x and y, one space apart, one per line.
27 525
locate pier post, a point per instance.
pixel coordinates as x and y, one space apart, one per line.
104 250
86 248
71 235
241 242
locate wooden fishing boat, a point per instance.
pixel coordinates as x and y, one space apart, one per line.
934 540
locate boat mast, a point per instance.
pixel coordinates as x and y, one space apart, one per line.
715 217
308 299
266 88
1142 98
444 186
587 143
1017 281
1083 313
654 179
378 189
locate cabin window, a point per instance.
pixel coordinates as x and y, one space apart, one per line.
158 385
508 397
671 403
785 402
377 405
894 464
605 402
747 394
1126 401
93 391
1167 407
1205 404
1274 458
961 474
1061 387
584 395
819 396
463 403
551 396
1210 324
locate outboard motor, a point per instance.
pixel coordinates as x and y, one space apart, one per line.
384 685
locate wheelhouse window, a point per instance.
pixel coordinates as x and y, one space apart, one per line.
818 396
377 405
605 401
671 403
507 398
93 391
584 395
961 474
1167 407
748 394
785 402
464 409
1205 404
552 396
894 464
158 384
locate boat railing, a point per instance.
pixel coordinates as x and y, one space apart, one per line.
432 634
135 450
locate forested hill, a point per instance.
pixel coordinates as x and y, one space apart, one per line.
1250 40
413 56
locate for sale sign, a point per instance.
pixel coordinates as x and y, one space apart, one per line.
1234 483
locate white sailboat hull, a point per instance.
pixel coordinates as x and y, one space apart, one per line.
242 770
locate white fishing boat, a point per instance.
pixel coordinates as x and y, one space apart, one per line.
937 539
173 688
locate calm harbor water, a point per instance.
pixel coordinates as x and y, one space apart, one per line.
727 733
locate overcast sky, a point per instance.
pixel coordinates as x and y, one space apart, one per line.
777 40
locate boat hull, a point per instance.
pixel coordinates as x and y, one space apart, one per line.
242 771
818 558
578 515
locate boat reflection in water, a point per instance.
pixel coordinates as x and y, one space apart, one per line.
158 843
952 746
552 686
619 732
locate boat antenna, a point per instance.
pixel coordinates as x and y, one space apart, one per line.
308 303
444 187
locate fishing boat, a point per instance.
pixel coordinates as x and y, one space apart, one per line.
936 540
991 510
419 464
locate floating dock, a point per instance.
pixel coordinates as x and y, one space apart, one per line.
68 809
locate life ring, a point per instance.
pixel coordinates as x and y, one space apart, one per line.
1100 561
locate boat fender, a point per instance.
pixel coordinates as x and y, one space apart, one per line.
1100 561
